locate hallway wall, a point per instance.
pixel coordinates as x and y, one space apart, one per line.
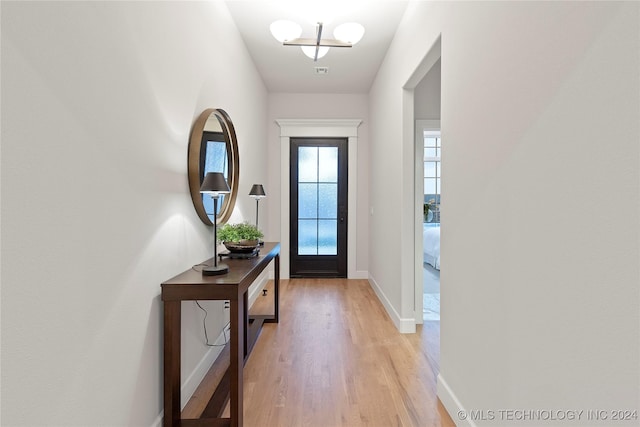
98 99
427 95
540 107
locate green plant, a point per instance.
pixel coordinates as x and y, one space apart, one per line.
430 209
238 232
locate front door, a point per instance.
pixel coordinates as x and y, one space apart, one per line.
318 226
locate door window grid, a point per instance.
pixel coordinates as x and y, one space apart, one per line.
317 200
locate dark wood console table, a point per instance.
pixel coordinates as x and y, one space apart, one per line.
233 286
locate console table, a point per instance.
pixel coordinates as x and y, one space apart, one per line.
233 286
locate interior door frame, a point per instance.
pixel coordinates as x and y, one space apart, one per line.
318 128
421 126
411 248
320 265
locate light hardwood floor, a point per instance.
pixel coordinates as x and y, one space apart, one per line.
336 359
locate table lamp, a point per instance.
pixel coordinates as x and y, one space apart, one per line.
257 192
214 184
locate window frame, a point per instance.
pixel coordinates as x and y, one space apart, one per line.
431 133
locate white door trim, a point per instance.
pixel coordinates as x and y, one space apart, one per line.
318 128
421 125
412 270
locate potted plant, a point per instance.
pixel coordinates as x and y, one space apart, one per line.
430 210
241 237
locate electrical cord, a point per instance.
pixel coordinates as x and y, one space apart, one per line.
204 325
198 265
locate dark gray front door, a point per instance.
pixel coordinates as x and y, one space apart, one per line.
318 227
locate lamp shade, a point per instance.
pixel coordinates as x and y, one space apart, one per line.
214 184
257 191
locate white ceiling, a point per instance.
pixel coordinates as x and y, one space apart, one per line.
287 69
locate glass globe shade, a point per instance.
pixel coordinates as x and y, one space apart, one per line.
284 30
350 32
310 51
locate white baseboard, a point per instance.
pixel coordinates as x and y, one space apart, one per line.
190 385
158 421
360 274
404 325
452 404
193 381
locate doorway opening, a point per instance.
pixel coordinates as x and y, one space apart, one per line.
428 138
422 102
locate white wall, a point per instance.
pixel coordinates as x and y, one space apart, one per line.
427 95
97 103
541 191
321 106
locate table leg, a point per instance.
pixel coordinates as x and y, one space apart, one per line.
276 287
237 319
245 320
172 363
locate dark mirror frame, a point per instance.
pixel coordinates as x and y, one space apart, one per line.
196 155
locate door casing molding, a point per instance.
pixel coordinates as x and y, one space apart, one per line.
318 128
420 126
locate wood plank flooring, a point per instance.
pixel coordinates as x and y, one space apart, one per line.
336 359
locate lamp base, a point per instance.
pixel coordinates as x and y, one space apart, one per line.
213 270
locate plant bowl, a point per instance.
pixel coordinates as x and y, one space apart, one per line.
242 246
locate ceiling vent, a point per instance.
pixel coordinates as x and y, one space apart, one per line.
321 70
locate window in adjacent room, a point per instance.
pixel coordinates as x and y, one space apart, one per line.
432 147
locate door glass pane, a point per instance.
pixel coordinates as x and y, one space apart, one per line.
328 237
307 237
317 198
328 201
216 157
328 162
215 161
430 141
307 164
307 200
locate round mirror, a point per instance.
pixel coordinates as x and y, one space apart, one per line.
213 148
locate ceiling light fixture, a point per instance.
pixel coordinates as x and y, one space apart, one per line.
288 33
